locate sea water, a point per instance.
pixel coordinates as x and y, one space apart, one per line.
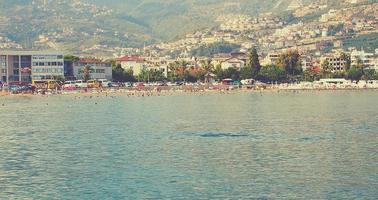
302 145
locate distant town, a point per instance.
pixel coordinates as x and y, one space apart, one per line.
330 44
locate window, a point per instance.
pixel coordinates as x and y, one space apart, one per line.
100 71
15 59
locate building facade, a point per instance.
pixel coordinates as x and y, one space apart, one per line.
367 59
26 66
98 69
337 64
233 63
134 63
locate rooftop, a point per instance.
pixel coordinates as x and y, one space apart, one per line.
29 53
92 60
130 58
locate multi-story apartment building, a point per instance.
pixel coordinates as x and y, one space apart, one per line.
133 62
335 62
26 66
99 69
367 59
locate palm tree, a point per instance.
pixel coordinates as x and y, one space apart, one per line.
326 69
87 72
207 66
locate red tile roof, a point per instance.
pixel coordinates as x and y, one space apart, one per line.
130 58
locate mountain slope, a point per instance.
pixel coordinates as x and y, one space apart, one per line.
81 24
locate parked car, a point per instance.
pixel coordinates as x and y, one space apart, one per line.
105 83
81 84
139 84
20 87
172 84
115 84
248 82
69 85
128 84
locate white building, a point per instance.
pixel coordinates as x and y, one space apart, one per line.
26 66
233 62
368 59
99 69
134 63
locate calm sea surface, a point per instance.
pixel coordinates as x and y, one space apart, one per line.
307 145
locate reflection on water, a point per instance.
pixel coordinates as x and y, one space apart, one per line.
311 145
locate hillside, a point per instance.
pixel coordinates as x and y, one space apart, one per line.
93 25
69 22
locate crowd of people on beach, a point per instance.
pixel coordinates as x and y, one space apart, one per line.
142 90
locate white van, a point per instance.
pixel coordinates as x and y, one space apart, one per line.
81 84
105 82
68 85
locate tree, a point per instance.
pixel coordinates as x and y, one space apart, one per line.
176 71
355 73
326 69
371 74
291 63
156 75
334 29
232 73
254 63
128 76
189 77
271 73
59 78
219 72
347 59
359 64
87 73
118 73
247 73
207 66
151 75
71 58
309 75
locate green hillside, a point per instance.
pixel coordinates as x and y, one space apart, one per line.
130 23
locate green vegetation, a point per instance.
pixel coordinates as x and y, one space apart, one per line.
272 73
121 75
87 73
333 29
151 76
254 62
71 58
369 42
290 62
287 69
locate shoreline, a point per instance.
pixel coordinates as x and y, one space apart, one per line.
147 92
